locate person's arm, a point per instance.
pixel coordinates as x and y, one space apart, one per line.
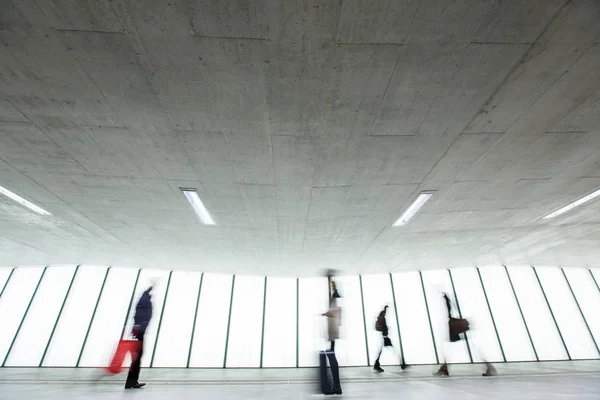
448 305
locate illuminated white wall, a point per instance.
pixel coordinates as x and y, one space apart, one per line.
69 316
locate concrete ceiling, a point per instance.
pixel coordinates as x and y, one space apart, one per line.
307 127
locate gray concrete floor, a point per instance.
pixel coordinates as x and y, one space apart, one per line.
548 380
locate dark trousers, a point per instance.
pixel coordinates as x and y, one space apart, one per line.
335 370
329 375
134 369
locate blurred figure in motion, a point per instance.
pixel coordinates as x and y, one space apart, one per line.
334 321
141 319
456 327
381 326
334 317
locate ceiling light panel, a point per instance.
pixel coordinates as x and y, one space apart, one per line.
15 197
198 206
421 199
574 204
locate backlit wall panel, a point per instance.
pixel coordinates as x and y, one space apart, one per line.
74 316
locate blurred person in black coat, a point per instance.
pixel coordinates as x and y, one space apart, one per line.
456 328
141 319
381 326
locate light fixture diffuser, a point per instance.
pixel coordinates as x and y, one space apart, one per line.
192 196
574 204
414 207
22 201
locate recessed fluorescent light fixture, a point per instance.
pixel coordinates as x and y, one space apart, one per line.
22 201
414 207
574 204
194 199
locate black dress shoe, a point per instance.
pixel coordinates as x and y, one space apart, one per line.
135 386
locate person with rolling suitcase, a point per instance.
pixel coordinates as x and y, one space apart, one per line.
141 319
334 315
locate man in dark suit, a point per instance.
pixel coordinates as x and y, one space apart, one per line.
141 319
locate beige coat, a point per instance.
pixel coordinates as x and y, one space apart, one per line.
334 321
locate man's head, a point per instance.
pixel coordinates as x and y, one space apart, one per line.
153 284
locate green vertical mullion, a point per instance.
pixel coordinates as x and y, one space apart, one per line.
162 314
24 316
580 311
10 276
593 278
87 333
552 313
59 315
137 278
229 322
397 320
521 311
262 334
297 322
187 365
437 358
487 301
362 302
460 313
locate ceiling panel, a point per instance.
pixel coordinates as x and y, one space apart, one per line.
306 128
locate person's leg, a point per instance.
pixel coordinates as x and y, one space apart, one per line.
377 366
325 384
134 369
136 364
335 373
379 356
443 371
489 370
476 348
332 347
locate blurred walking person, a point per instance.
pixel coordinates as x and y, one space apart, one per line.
141 319
456 327
334 321
381 326
334 317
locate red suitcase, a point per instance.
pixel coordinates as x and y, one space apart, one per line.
124 347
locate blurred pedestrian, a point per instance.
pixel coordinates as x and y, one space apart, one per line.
334 321
141 319
334 317
381 326
456 327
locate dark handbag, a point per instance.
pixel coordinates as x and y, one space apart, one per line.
387 342
457 326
